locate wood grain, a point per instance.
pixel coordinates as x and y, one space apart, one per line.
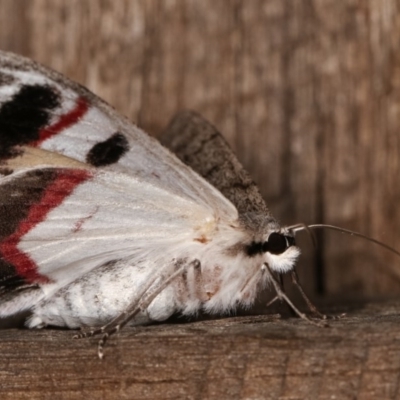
262 357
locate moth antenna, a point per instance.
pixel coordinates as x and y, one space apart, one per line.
300 227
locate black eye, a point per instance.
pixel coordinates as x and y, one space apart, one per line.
278 243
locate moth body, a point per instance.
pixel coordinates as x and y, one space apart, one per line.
99 222
226 278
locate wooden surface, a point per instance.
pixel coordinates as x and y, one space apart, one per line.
357 357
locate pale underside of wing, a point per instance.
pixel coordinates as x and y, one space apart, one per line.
108 217
102 218
81 185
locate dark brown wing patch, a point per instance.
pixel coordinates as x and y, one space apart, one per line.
25 202
16 199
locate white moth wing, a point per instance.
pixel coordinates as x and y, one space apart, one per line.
138 203
98 123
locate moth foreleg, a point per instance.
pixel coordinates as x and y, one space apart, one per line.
310 304
280 294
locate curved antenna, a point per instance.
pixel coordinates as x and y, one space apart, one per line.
301 227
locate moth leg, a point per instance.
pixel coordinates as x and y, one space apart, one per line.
147 297
249 282
276 298
282 288
272 301
282 295
310 304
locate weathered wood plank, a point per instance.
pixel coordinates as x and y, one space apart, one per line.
234 358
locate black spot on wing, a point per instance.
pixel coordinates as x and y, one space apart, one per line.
109 151
22 117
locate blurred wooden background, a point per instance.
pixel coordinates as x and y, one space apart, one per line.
307 92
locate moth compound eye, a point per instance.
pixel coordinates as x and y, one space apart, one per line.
278 243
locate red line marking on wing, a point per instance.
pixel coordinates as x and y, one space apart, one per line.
64 122
78 224
56 192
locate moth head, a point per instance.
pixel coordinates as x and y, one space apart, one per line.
277 248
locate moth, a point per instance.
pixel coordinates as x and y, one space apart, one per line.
101 225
